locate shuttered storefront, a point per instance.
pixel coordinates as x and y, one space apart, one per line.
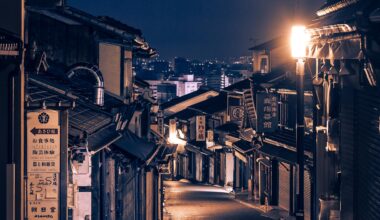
198 174
367 163
307 195
284 185
347 154
222 168
211 171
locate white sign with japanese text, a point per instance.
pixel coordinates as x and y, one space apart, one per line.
43 209
43 164
43 141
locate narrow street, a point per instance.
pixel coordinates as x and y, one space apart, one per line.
191 201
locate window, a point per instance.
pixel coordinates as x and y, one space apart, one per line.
264 67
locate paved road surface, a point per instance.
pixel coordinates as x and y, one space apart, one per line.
190 201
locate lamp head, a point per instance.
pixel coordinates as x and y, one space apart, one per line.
299 41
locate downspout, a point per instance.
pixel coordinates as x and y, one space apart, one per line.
97 75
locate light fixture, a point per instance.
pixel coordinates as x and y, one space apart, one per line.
299 41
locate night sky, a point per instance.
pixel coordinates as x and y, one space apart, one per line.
203 29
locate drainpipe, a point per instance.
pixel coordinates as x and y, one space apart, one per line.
97 75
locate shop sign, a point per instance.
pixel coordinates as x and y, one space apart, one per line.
267 112
42 186
43 210
201 128
160 123
43 141
43 165
237 113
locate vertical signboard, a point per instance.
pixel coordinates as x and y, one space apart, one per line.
43 164
201 128
160 123
267 112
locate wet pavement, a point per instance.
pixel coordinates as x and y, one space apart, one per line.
185 200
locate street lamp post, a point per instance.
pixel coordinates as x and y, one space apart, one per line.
299 43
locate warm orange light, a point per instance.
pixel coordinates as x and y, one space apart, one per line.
299 41
176 140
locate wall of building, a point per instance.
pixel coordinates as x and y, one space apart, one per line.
109 65
229 169
62 43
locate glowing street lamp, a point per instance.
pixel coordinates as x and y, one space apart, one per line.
299 41
173 137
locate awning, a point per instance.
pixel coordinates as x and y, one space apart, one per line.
135 146
243 146
343 46
206 152
280 153
164 153
103 138
215 147
192 148
198 149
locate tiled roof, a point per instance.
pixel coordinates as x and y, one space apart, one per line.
288 137
279 153
212 105
243 146
343 12
84 118
120 25
135 146
183 115
103 137
178 100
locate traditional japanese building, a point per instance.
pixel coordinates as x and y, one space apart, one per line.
81 65
345 44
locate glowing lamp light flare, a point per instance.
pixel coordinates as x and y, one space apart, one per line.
299 41
176 140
